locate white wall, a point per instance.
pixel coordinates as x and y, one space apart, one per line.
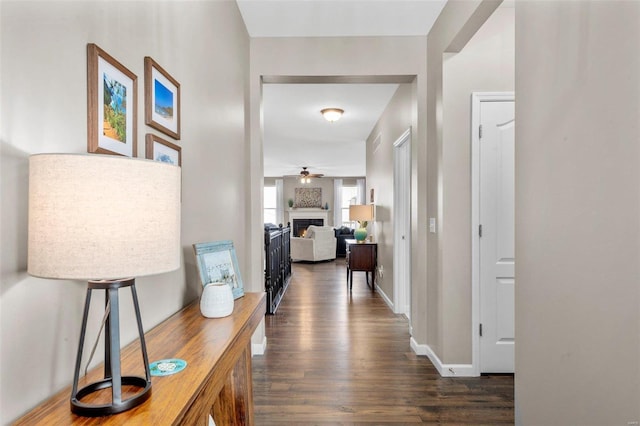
577 213
455 26
203 45
486 63
394 121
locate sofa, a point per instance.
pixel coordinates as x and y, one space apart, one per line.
342 233
318 243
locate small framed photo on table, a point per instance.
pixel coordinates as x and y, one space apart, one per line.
161 99
217 262
161 150
111 104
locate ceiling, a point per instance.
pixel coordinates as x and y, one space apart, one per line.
335 18
295 133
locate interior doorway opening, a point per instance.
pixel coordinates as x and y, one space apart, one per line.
402 225
394 294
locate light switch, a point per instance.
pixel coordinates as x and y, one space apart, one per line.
432 225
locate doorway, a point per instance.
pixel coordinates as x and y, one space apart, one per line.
493 229
258 82
402 224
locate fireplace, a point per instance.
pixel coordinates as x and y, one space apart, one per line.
301 218
300 225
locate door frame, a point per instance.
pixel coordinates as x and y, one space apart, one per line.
402 275
476 99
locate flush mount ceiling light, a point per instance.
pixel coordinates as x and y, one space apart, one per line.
332 114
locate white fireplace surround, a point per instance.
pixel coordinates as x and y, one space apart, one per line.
309 213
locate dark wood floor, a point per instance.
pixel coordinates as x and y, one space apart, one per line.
344 359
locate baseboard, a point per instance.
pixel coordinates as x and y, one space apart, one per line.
259 348
384 297
445 370
418 348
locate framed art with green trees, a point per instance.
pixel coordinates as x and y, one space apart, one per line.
111 105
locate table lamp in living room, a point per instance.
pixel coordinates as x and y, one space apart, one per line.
362 213
105 219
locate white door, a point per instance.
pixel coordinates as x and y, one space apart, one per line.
496 236
401 225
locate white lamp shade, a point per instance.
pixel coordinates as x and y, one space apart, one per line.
361 212
102 217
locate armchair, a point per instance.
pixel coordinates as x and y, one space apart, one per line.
319 243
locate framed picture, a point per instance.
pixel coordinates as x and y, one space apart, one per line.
161 99
217 262
111 105
161 150
308 197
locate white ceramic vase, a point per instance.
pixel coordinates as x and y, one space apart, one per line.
216 300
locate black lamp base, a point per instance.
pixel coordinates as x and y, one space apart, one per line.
112 369
89 410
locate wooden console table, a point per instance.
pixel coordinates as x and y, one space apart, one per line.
361 257
216 381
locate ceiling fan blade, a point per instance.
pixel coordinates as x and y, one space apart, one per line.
304 173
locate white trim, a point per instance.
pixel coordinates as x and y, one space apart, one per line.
385 297
402 264
417 348
450 370
259 348
476 99
401 140
445 370
309 213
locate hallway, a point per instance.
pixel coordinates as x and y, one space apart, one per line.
335 358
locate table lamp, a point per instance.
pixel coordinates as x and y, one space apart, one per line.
361 213
105 219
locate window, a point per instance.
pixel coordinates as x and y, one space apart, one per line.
270 204
349 196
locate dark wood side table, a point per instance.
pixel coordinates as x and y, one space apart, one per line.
361 257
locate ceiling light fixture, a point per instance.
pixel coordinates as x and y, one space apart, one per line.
332 114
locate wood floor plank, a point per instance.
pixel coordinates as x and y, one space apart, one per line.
336 357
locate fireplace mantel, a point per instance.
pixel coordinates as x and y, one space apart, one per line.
309 213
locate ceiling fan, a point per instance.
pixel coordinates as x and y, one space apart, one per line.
305 176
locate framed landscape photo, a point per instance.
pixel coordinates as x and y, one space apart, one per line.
161 150
161 99
217 262
111 104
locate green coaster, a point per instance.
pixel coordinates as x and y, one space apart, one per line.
166 367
